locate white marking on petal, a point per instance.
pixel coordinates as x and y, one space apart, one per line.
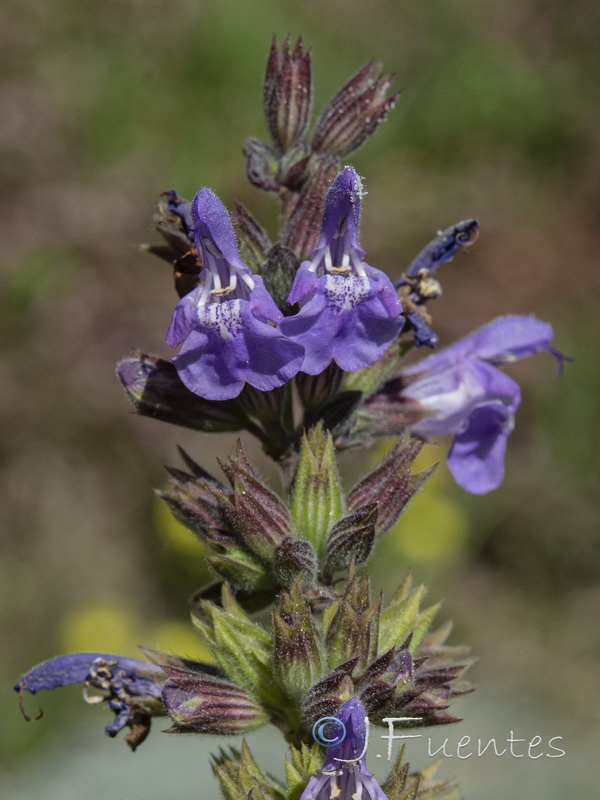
223 318
345 292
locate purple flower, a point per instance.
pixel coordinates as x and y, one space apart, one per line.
349 311
229 323
344 775
419 283
133 688
470 398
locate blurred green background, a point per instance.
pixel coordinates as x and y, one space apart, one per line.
103 105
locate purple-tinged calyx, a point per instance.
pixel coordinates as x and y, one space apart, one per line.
287 96
132 688
349 311
356 111
229 323
344 775
466 395
201 703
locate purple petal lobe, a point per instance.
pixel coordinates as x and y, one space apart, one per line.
452 393
75 668
443 248
501 341
476 458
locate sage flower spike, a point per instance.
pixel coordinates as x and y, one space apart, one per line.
229 324
133 688
349 311
344 775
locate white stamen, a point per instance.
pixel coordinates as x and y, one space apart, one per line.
334 790
357 263
205 293
359 786
248 280
226 289
216 280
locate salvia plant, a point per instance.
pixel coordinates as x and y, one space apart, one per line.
301 342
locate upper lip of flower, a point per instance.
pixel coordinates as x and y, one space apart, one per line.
132 687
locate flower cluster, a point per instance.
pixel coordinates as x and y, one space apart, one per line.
302 344
234 333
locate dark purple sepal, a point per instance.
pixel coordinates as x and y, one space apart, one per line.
293 557
156 390
355 112
390 485
203 703
254 238
287 95
278 272
351 539
252 511
326 696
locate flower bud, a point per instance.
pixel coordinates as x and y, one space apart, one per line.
287 94
317 502
241 778
351 539
390 485
253 512
304 224
155 389
200 703
355 112
298 659
292 557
